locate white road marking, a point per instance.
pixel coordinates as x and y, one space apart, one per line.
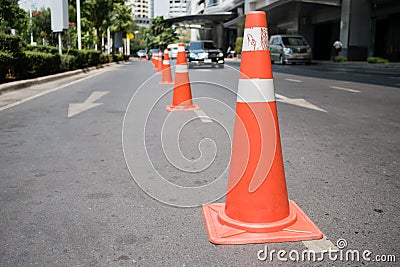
345 89
298 102
203 70
203 116
16 103
293 80
76 108
320 245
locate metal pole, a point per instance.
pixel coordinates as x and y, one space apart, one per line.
108 41
78 23
59 43
30 20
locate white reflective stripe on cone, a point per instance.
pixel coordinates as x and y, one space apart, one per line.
256 90
181 49
165 62
255 39
181 68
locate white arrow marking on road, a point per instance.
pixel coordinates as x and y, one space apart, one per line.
203 116
76 108
298 102
320 245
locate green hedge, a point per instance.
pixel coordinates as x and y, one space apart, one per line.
42 48
339 59
11 43
7 62
68 62
38 64
106 58
21 61
377 60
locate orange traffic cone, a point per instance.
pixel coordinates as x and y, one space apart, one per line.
159 64
154 59
140 59
182 98
166 71
257 209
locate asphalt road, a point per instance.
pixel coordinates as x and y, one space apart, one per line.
121 183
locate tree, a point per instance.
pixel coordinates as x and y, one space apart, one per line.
12 17
41 26
159 34
121 19
101 14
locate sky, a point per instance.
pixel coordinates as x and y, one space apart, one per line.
160 6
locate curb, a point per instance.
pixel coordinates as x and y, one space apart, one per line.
12 86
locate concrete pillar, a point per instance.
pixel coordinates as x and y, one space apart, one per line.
194 34
355 30
219 36
345 26
360 29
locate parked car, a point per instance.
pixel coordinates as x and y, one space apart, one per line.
141 53
153 51
205 53
172 50
287 49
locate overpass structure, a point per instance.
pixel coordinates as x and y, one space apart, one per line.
365 27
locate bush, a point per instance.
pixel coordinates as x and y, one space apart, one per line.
117 57
377 60
68 62
7 62
94 57
339 59
238 45
105 58
43 49
36 64
11 43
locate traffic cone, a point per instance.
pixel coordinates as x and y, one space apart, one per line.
159 64
147 57
140 59
182 98
154 59
257 208
166 71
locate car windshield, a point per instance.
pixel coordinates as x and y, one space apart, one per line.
202 45
295 41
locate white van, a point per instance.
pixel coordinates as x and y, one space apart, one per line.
172 50
287 49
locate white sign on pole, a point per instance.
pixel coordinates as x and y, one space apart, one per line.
59 15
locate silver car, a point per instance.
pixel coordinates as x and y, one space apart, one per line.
288 49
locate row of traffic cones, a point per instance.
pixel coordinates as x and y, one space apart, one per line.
182 96
257 208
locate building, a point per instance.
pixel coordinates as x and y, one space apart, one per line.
143 11
177 8
365 27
